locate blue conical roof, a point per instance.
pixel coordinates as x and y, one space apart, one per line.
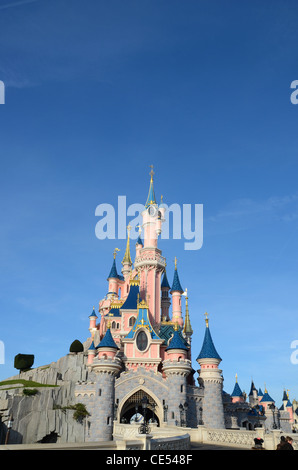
107 341
113 272
176 342
208 349
165 282
176 286
91 347
237 392
266 397
93 314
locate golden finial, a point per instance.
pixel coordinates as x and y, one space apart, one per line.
265 391
151 172
206 319
175 263
115 252
236 377
109 324
176 327
288 393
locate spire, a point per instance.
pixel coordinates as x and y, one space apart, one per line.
107 341
237 392
165 283
252 389
113 272
151 195
177 342
208 349
176 286
93 314
187 329
127 258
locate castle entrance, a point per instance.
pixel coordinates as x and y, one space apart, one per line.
139 407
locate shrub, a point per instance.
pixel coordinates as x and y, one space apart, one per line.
29 392
76 346
23 362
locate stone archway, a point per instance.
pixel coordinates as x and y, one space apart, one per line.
131 404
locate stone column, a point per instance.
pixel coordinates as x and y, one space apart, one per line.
176 372
212 381
101 428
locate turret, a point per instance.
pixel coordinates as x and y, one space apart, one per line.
253 395
106 366
113 278
92 323
176 293
177 368
237 394
210 378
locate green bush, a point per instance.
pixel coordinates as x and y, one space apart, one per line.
23 362
29 392
76 346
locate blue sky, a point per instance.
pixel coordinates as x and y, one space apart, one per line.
98 91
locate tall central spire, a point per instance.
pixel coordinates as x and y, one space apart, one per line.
151 195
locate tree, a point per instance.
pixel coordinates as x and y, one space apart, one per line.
23 362
76 346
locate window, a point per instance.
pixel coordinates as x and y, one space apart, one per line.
132 321
142 341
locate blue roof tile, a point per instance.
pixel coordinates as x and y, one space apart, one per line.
208 349
176 342
107 341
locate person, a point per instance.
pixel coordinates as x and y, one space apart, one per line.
281 443
285 443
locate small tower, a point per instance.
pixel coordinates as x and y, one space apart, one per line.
253 395
237 395
165 299
92 324
91 353
210 377
113 278
106 366
176 293
177 368
126 262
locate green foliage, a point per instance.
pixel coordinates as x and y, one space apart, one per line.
23 362
25 383
80 410
29 392
76 346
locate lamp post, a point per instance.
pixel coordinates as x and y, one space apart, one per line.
272 408
144 428
9 426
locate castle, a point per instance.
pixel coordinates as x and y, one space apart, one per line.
141 352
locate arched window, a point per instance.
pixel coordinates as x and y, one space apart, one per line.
132 321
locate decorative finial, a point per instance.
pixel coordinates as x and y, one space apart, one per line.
151 172
115 252
236 377
109 324
175 263
206 319
176 327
